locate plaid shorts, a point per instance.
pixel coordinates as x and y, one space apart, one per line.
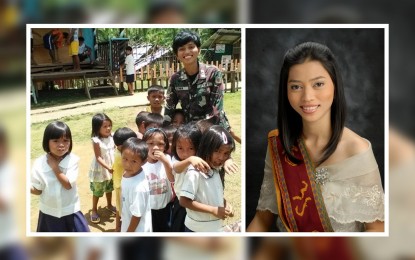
99 188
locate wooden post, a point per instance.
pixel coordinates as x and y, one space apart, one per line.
121 81
142 79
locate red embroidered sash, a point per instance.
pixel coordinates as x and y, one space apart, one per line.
300 204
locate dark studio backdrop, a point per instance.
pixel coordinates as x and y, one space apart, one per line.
360 56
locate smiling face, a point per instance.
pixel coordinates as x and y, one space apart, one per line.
188 53
131 162
105 129
310 91
219 156
59 147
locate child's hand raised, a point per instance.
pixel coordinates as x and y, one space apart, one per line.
53 162
199 164
160 156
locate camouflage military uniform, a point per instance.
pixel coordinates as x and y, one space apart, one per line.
200 99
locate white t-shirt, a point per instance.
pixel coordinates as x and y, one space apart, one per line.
55 200
129 64
178 178
135 194
160 186
206 189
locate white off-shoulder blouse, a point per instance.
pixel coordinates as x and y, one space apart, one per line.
352 192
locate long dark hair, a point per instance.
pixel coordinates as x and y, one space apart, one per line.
290 124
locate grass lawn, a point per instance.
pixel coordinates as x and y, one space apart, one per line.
80 126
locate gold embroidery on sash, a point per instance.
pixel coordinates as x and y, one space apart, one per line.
303 190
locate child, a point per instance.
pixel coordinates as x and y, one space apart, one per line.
169 130
146 120
100 173
202 194
185 143
159 174
130 73
140 120
155 95
136 211
178 118
84 51
54 177
120 136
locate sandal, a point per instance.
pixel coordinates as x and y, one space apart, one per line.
111 209
95 218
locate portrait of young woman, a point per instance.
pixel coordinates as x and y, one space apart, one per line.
319 160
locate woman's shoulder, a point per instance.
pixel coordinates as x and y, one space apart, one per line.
352 144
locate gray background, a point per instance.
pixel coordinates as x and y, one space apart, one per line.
360 56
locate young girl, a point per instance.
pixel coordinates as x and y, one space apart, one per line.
54 179
202 194
159 174
100 173
185 144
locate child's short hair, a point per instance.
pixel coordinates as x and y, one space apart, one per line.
97 121
122 134
56 130
154 118
188 131
212 140
81 39
136 146
141 117
183 37
169 129
152 131
155 88
128 48
178 111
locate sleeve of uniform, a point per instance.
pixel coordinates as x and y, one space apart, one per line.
37 179
171 98
216 99
189 186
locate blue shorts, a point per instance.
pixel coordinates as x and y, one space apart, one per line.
129 78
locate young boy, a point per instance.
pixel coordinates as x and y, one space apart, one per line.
146 120
155 95
129 66
136 210
120 136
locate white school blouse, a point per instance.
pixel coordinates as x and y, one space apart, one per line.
160 187
55 200
178 178
352 192
206 189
